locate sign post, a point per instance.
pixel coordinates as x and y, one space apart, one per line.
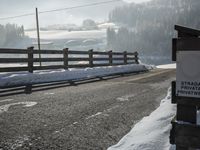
186 88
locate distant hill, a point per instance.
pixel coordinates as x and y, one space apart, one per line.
149 27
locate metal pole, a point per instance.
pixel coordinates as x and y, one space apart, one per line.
38 35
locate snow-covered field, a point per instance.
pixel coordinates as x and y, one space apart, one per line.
23 78
64 34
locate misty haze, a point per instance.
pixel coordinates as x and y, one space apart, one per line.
99 74
145 27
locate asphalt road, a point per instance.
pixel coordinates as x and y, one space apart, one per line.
88 116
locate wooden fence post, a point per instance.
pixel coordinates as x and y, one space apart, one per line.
125 57
30 59
110 57
65 57
90 52
136 58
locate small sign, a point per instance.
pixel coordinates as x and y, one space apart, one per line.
188 74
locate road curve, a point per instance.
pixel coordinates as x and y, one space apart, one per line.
90 116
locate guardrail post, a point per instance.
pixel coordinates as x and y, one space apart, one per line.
110 57
30 59
136 58
65 57
125 57
90 52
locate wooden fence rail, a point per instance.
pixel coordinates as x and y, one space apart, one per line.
67 59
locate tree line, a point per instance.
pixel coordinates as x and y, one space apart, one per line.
149 27
11 35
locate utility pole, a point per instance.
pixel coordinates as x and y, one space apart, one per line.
38 34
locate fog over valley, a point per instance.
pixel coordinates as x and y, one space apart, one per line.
145 26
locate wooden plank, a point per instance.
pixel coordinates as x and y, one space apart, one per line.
48 52
100 53
48 59
172 132
136 58
187 31
188 44
125 57
13 60
173 85
30 59
65 57
174 49
90 52
13 69
187 135
178 147
186 113
110 57
48 67
13 51
77 52
190 101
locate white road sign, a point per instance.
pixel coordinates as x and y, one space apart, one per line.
188 74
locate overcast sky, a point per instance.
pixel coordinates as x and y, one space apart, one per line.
18 7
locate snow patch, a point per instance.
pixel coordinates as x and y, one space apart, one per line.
24 78
152 132
6 100
167 66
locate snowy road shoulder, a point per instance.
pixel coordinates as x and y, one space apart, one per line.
152 132
24 78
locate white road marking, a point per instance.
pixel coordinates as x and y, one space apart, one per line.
49 93
97 114
75 123
6 107
6 100
150 75
125 98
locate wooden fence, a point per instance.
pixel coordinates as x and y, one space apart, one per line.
67 59
185 132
